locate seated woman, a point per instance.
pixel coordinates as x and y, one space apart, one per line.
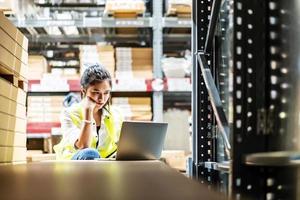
91 128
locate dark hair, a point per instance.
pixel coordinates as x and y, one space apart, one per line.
94 73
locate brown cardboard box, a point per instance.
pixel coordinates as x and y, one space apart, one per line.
175 159
136 67
12 108
12 139
37 65
17 124
4 121
12 92
102 48
106 57
13 32
13 47
145 74
135 108
11 123
9 6
139 100
147 117
17 110
142 109
10 61
35 157
5 88
125 6
12 154
19 96
142 53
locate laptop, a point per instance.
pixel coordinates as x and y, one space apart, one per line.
141 140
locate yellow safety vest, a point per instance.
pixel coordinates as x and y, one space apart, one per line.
65 150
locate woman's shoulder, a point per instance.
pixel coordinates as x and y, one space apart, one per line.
74 109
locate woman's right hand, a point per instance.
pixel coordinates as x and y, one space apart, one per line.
89 104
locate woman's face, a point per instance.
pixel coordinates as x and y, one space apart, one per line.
99 93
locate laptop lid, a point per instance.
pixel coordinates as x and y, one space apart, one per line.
141 140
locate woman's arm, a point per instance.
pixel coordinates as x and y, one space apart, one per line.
85 135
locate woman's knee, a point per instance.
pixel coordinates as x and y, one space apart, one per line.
89 152
86 154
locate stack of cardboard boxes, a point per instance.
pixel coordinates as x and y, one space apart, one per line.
103 54
123 62
66 73
44 108
13 81
134 63
107 57
88 54
37 66
134 108
142 62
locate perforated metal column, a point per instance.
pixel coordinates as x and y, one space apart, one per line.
260 97
202 114
283 94
248 96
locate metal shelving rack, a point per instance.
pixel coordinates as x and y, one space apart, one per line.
261 123
145 21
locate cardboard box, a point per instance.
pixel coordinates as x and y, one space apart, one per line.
12 154
12 92
13 47
11 62
13 32
106 57
19 95
134 108
9 6
175 159
142 53
17 124
17 110
41 157
145 74
12 139
12 108
37 65
129 6
11 123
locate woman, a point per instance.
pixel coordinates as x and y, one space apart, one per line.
91 128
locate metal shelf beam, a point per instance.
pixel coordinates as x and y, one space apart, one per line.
103 37
93 22
103 22
85 38
175 22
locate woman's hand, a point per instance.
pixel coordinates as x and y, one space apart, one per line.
89 104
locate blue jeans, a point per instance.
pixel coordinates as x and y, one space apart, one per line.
86 154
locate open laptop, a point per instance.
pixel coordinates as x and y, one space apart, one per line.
141 140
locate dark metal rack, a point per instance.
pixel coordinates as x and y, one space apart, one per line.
250 102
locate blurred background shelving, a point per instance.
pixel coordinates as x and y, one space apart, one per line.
144 44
